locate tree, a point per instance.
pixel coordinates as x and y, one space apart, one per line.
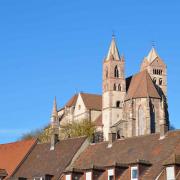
43 134
78 128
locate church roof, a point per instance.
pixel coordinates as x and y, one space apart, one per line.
113 51
92 101
152 55
72 101
128 151
142 86
43 161
12 154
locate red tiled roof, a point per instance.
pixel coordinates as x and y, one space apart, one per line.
141 86
12 154
42 161
92 101
149 148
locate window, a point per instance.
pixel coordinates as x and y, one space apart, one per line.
38 178
170 173
154 80
160 81
106 72
88 176
114 88
79 107
119 87
68 177
110 174
118 104
134 173
116 72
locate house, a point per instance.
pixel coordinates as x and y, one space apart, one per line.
146 157
12 156
47 161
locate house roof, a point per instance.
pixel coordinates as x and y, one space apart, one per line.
12 154
149 148
142 86
44 161
92 101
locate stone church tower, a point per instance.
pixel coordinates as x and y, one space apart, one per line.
114 88
157 70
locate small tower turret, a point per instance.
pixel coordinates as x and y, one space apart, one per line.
54 126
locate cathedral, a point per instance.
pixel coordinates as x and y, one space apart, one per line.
129 106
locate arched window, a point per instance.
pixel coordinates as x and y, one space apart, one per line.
160 81
153 119
116 72
106 72
117 104
114 88
141 121
154 80
119 87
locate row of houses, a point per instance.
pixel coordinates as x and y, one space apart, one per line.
146 157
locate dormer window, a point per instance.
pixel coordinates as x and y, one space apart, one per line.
38 178
88 175
170 173
68 177
110 174
134 173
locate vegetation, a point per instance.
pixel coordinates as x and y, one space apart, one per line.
76 129
43 134
68 130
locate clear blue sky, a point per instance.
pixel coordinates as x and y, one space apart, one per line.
55 47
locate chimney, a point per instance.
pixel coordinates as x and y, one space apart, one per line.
112 138
54 140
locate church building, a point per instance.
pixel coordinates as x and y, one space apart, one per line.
132 106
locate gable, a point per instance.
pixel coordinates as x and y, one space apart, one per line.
157 63
80 107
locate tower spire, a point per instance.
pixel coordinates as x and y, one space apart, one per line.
54 111
54 115
113 53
